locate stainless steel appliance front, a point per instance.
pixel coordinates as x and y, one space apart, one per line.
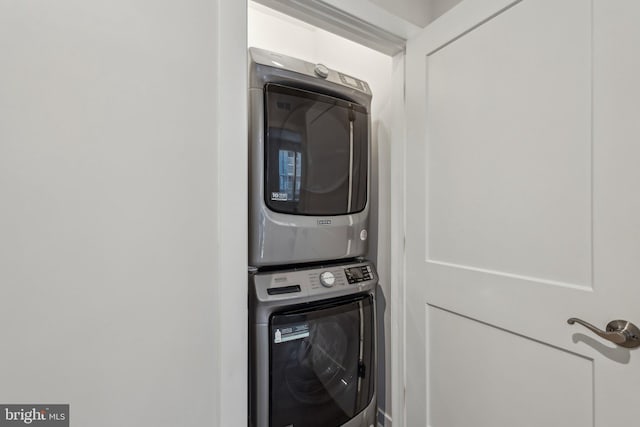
309 162
312 346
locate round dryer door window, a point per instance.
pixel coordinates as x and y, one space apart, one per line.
316 153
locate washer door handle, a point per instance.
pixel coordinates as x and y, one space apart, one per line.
620 332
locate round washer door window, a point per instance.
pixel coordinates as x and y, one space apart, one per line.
320 370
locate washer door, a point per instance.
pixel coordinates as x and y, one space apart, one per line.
321 365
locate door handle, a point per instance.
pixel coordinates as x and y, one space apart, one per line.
621 332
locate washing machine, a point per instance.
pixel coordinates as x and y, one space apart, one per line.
312 346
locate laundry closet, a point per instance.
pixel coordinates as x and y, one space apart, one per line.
272 31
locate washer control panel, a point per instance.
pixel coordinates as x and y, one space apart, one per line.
331 280
361 273
346 277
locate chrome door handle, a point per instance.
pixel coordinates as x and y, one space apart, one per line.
621 332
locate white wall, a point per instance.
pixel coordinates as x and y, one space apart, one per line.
113 152
274 31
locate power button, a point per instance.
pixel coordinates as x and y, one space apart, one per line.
321 71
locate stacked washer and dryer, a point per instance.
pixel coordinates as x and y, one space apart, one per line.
312 350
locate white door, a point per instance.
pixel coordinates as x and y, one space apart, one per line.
523 210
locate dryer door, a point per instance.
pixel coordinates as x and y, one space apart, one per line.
322 363
316 153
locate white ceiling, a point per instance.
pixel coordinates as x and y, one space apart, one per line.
417 12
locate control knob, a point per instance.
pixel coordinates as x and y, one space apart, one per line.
327 279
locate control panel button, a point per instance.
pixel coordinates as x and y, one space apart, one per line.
327 279
321 71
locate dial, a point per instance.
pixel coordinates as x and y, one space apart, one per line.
327 279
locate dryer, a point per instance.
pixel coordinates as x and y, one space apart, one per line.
309 149
312 346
